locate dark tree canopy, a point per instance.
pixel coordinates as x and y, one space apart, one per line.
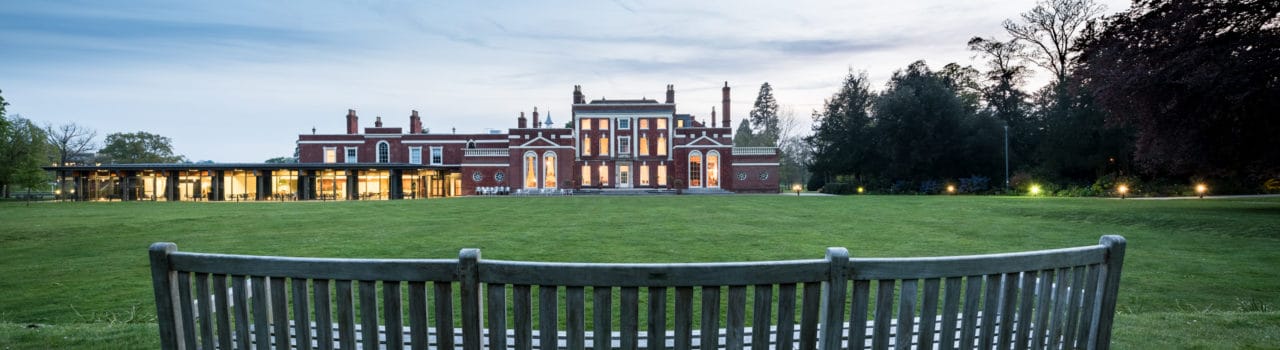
138 147
23 150
1199 81
764 118
841 140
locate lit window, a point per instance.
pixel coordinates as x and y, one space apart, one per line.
604 145
713 169
604 124
624 145
530 170
549 170
680 123
644 124
695 169
351 155
604 174
586 145
662 174
330 155
644 175
624 123
585 123
644 144
384 152
662 123
586 175
662 145
415 155
437 155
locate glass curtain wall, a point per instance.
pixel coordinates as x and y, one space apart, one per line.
331 185
284 184
239 185
374 184
152 185
194 185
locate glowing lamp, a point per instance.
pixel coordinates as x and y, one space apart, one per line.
1035 190
796 188
951 189
1123 190
860 190
1201 189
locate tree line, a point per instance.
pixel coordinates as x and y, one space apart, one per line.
1165 93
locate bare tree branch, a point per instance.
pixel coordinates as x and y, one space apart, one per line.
70 140
1052 29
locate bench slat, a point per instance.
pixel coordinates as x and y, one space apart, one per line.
858 313
1008 300
809 311
884 313
279 310
918 268
346 314
763 300
575 317
602 302
657 315
204 310
786 316
1088 323
261 312
649 275
906 314
710 317
497 312
684 318
324 315
547 320
301 313
224 311
325 268
522 310
950 311
369 313
418 315
1073 306
188 320
929 310
392 314
629 316
990 309
736 317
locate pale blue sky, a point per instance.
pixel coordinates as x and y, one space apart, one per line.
237 81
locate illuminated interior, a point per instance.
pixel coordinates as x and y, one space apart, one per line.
549 170
713 169
695 169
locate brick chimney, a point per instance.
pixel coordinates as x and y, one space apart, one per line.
415 123
536 123
671 93
377 123
713 116
353 124
724 107
522 122
578 98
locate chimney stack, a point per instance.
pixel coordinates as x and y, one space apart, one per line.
713 116
522 122
671 93
724 107
377 123
578 98
353 124
536 123
415 123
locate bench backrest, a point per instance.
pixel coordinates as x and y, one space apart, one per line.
1054 298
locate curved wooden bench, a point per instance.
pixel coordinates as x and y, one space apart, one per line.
1061 298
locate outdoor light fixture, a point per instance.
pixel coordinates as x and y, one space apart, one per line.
860 190
1201 189
1035 190
1122 190
951 189
796 188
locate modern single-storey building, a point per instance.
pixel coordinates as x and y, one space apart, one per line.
608 145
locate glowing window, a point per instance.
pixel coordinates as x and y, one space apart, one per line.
604 175
586 145
644 124
662 174
695 169
585 123
530 170
549 170
330 154
604 124
586 175
662 145
662 123
644 175
680 123
604 145
643 145
713 169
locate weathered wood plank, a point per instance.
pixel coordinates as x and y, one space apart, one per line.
1088 319
884 313
1056 305
990 311
185 310
224 311
629 318
319 268
809 315
1027 302
710 336
950 312
443 295
261 313
324 315
684 318
786 316
575 317
301 311
1110 288
657 316
469 293
1045 290
205 309
279 311
761 316
736 317
522 316
602 307
933 267
239 291
497 311
858 315
164 284
1008 300
929 311
369 313
1073 306
906 315
658 275
418 326
547 299
392 314
346 314
831 319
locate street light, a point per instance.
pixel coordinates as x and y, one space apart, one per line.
1123 190
1201 189
1006 156
796 187
861 189
951 189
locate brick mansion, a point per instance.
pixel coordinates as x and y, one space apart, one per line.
608 146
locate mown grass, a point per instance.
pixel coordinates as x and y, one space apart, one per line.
81 268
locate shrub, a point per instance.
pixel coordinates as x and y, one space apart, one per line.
930 187
974 184
815 182
839 188
900 187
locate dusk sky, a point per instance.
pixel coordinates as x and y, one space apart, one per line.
237 81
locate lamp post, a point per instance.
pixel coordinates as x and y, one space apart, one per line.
1201 189
1006 156
796 188
1123 190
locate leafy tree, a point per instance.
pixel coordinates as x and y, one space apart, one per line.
1076 144
764 118
1004 98
24 151
138 147
1051 31
744 137
841 143
1197 80
70 140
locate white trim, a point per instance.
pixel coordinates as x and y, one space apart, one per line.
346 155
756 164
431 158
481 164
717 143
452 141
624 150
513 137
542 176
702 172
537 147
524 170
526 144
631 174
377 152
324 155
719 165
419 149
594 114
335 142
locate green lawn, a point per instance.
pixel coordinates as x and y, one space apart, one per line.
1198 273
